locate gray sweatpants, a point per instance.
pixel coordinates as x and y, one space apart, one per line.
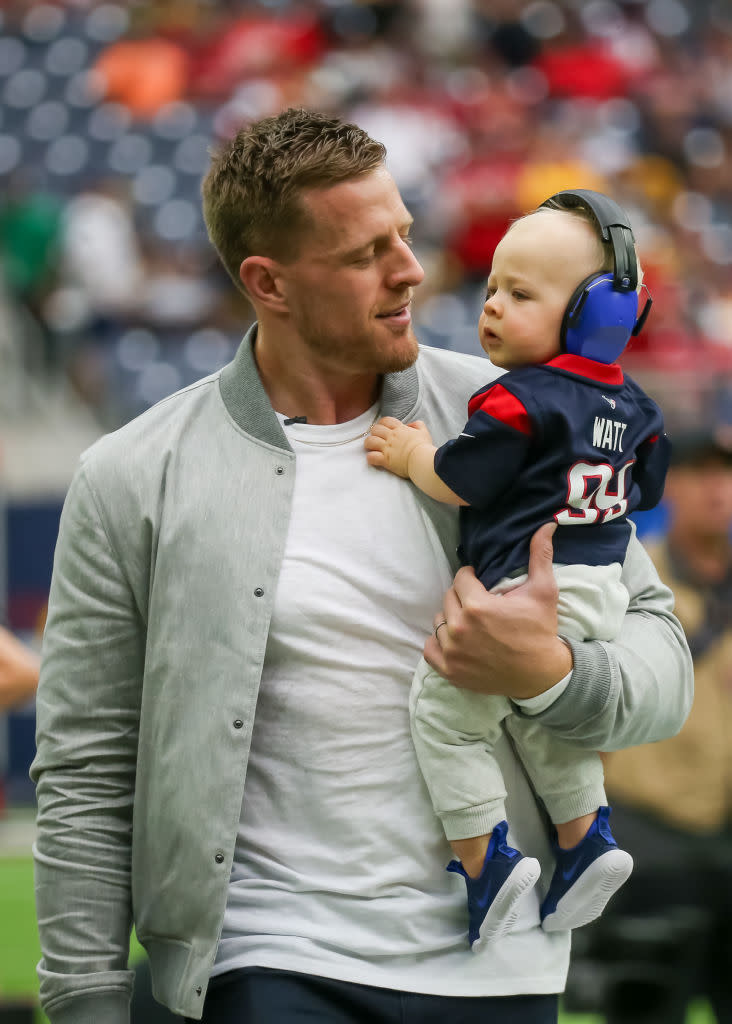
455 731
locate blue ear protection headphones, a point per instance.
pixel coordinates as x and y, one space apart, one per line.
602 314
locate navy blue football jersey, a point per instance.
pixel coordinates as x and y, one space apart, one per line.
572 440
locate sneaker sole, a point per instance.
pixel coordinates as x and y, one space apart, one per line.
589 895
506 907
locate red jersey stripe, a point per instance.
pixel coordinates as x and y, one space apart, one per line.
502 406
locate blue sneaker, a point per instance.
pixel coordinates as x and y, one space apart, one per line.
585 878
494 898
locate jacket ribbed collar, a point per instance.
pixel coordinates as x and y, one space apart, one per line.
249 406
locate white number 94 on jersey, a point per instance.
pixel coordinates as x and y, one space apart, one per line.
595 494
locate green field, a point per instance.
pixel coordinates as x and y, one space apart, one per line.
19 949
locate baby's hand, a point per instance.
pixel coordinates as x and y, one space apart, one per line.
391 442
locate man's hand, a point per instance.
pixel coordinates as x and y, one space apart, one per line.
502 643
391 442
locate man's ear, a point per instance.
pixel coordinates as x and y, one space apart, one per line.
262 280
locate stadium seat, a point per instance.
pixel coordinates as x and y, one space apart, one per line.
154 184
10 153
67 156
43 23
13 53
25 88
47 121
106 22
66 56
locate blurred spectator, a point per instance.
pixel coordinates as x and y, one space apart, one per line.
254 45
30 233
552 164
672 801
421 134
478 195
176 290
101 251
30 221
143 74
575 62
502 27
359 21
19 667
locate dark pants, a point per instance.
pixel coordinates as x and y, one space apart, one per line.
144 1009
258 995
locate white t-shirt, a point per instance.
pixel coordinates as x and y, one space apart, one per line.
339 862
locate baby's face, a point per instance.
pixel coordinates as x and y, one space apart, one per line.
536 267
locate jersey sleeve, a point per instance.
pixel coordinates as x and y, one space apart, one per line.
652 458
483 460
649 472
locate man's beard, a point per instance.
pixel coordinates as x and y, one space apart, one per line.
363 354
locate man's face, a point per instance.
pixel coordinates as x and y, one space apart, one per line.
700 496
536 267
349 290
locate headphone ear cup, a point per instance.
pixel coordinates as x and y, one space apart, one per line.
599 319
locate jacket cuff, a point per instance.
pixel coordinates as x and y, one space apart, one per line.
587 692
94 1008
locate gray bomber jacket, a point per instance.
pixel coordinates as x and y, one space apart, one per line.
167 559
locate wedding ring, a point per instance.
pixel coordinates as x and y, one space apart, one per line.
443 623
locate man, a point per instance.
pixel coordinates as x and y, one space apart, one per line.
231 550
673 800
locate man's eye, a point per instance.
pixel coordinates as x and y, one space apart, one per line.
490 292
408 240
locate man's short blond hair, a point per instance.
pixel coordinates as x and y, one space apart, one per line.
252 191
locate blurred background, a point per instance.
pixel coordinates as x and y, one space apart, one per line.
111 296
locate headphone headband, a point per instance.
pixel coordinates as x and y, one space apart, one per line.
615 228
602 314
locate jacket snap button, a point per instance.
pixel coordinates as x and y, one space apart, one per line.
238 723
219 858
258 592
199 990
280 470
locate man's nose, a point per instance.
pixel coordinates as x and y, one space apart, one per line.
407 269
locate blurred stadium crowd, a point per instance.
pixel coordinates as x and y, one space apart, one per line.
108 112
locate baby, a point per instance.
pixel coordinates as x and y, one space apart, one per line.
563 436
